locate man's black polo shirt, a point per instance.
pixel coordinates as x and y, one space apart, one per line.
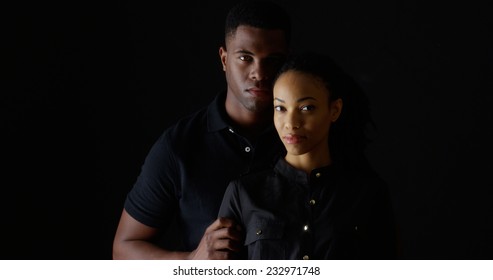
189 167
332 213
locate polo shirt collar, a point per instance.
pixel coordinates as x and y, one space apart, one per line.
216 113
217 118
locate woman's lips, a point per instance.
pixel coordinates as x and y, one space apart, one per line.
293 138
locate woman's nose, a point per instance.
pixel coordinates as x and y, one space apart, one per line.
292 121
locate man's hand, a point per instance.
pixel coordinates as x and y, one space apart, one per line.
220 241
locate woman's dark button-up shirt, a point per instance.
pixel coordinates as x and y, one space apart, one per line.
328 214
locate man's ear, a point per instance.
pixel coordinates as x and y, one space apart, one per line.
223 54
335 109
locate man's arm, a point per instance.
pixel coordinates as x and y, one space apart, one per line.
134 240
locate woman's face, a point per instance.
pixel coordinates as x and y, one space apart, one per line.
302 113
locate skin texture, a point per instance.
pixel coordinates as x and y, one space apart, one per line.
250 60
303 116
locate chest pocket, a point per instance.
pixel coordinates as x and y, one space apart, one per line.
264 239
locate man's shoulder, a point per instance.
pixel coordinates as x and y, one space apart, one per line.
198 121
190 123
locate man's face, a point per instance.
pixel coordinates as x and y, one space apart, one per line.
250 60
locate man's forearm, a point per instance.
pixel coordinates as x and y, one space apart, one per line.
144 250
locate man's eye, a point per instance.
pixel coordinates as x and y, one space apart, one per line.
245 58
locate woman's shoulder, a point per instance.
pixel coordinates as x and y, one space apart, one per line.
365 177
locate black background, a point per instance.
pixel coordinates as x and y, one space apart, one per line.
95 83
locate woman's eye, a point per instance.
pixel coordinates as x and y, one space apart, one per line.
278 108
307 108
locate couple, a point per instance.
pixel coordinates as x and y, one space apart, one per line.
242 186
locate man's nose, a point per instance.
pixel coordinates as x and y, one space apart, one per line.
260 71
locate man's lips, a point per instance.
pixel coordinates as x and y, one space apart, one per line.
260 91
293 138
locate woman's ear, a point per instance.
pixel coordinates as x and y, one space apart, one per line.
335 109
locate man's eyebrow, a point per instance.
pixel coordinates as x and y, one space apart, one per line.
243 51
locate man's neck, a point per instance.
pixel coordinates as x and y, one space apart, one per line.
250 124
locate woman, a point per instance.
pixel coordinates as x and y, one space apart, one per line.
322 200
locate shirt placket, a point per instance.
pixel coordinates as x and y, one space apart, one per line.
310 204
245 149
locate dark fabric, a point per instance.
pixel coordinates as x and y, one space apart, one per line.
189 167
349 217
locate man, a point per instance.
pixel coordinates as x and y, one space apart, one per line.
188 169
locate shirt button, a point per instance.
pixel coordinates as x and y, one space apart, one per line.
247 149
231 130
318 175
306 257
259 232
305 228
312 202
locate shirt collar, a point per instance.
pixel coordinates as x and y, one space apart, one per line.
216 113
217 118
322 174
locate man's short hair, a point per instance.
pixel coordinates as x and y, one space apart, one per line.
259 14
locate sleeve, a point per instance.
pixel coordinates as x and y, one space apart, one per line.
153 199
231 208
231 204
